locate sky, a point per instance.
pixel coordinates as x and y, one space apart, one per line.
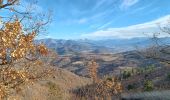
94 19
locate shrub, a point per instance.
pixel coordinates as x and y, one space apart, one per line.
126 74
148 85
55 91
103 89
131 86
168 76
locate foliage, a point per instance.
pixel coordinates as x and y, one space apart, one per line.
168 76
100 88
126 74
103 89
13 76
92 68
148 85
131 86
55 91
139 70
16 44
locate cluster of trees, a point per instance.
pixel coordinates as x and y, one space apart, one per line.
126 73
147 84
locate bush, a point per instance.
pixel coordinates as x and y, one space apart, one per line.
126 74
168 76
131 86
55 91
148 85
104 89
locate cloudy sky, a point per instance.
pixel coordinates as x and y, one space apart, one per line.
74 19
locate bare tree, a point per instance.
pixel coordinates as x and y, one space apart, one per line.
160 49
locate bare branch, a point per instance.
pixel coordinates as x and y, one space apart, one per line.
7 4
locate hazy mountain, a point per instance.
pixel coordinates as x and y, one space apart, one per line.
63 47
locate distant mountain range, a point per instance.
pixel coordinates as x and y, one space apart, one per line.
63 47
112 55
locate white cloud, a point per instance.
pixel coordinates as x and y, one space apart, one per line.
75 21
127 3
139 9
139 30
87 19
83 20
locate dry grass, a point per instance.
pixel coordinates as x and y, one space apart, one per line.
42 83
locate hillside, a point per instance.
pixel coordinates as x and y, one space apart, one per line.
53 86
108 63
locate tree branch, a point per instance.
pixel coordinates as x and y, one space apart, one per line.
8 4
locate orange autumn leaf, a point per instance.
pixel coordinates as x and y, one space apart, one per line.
18 42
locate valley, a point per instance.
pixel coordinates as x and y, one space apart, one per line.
84 50
129 65
109 64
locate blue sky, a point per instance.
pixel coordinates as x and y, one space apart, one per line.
74 19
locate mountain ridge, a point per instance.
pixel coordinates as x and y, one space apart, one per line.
63 47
